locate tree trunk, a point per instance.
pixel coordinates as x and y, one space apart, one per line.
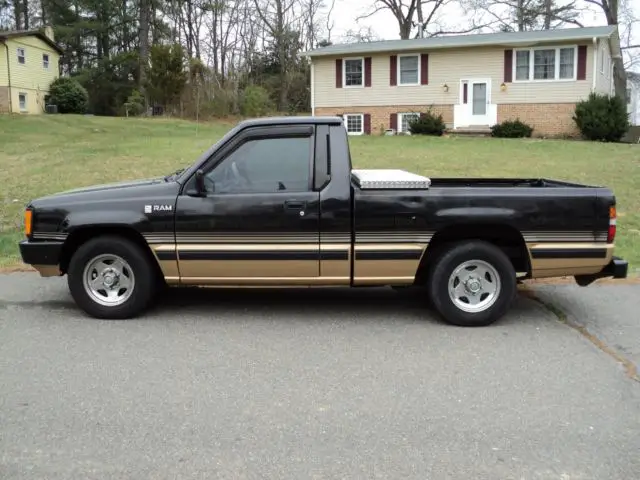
25 13
547 14
17 14
144 40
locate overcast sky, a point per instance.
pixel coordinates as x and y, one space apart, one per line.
385 25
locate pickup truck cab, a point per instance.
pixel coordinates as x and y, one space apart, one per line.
276 202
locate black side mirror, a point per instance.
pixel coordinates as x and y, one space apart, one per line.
201 189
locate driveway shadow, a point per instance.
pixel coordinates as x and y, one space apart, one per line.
370 303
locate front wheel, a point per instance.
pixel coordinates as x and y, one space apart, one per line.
472 284
110 278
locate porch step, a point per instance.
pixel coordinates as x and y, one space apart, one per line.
471 131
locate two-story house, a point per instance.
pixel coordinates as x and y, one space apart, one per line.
475 81
28 64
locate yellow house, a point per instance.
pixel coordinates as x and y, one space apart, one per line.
28 64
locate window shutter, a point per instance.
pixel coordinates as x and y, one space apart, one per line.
465 92
424 69
393 70
367 123
393 121
367 71
508 66
582 63
338 73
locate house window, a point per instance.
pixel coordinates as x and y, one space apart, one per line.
409 70
628 96
45 61
354 123
522 65
22 100
21 56
545 64
354 72
567 62
404 119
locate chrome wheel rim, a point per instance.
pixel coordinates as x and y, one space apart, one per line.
474 286
108 280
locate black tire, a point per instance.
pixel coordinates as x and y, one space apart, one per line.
448 260
144 275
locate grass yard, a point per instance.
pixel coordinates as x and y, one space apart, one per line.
47 154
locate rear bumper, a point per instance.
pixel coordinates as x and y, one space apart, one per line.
616 268
43 256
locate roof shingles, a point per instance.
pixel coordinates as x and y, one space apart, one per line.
468 40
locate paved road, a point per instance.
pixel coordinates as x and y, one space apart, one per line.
311 384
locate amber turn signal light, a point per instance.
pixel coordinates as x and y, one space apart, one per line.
28 222
611 234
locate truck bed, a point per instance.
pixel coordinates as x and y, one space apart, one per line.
397 179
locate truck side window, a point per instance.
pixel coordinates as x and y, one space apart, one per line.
266 165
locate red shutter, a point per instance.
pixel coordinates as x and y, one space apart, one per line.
424 69
393 121
338 73
465 92
582 62
367 123
367 71
508 66
393 71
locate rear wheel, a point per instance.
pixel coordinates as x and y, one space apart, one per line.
472 283
111 278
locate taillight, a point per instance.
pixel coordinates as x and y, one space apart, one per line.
611 235
28 222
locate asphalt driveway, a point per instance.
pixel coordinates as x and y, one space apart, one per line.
318 384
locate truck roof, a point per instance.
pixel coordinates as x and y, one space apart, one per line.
295 120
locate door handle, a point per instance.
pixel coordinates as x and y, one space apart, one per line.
295 205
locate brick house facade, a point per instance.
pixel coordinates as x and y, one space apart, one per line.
474 81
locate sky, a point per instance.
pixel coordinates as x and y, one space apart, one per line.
385 26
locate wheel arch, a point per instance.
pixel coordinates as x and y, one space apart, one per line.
504 236
81 235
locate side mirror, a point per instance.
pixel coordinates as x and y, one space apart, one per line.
201 189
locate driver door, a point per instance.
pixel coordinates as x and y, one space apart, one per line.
258 222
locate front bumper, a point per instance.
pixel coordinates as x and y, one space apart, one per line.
43 256
616 268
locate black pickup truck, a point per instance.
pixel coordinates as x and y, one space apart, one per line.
276 203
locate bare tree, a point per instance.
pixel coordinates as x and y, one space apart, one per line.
404 13
277 15
612 10
523 15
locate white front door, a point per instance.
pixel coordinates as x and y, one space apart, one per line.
478 103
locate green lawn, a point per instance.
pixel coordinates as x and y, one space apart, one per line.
42 155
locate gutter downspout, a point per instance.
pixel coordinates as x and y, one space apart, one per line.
595 64
6 46
313 89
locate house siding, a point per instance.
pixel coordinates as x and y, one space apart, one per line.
31 78
603 79
5 105
448 67
4 71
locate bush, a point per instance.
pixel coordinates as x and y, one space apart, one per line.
69 95
602 118
135 104
255 102
427 124
511 129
